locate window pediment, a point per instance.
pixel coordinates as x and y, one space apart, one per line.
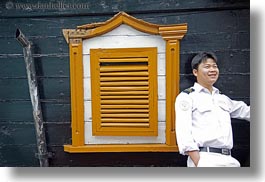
96 29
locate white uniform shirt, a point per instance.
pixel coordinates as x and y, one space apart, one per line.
204 119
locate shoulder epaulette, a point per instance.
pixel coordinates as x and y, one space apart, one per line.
188 90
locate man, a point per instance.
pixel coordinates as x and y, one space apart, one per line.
203 118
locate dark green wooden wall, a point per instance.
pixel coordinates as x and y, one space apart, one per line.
221 26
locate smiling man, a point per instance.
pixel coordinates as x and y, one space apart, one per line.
203 118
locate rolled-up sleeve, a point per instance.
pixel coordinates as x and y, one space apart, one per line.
183 111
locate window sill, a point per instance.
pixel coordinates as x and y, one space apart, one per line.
120 148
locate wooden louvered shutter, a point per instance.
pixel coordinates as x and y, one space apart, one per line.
124 91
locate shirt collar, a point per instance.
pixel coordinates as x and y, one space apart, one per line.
199 88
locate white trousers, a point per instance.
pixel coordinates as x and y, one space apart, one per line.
210 159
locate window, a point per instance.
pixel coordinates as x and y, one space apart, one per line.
124 91
123 83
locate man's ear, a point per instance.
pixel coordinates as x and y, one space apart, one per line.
195 72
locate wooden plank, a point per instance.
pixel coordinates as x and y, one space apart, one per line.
17 133
18 156
230 61
223 21
215 41
56 89
16 111
42 45
58 133
22 111
13 66
53 65
14 89
56 112
217 21
211 42
42 24
22 133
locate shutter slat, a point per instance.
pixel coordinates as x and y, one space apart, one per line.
123 106
132 83
123 68
123 88
135 59
125 97
105 79
125 73
131 101
103 111
124 120
120 93
140 125
132 115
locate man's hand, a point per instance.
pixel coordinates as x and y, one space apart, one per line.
195 156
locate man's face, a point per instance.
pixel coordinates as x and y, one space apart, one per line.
207 73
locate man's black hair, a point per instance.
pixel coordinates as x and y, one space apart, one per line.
200 57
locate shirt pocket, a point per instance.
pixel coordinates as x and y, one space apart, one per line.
203 108
224 112
202 113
